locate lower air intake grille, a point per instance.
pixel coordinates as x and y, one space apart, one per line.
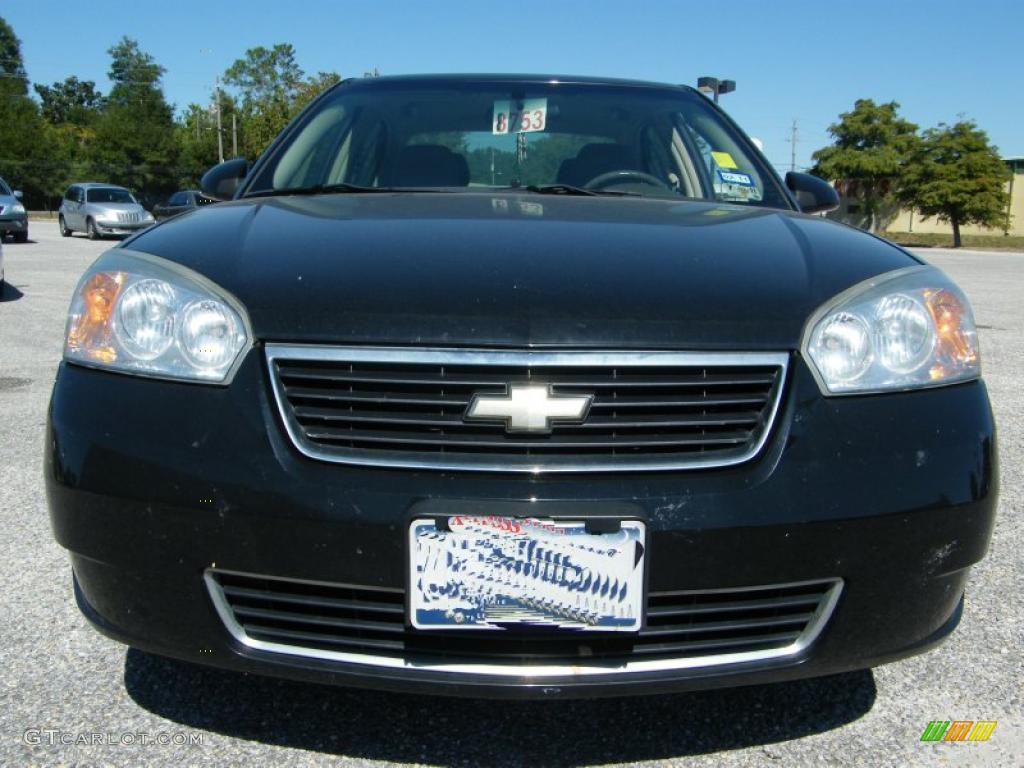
367 626
405 407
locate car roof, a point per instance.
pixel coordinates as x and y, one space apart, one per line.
526 79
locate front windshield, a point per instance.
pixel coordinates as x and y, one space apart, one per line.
108 195
653 142
4 189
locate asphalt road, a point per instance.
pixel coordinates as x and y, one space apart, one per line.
60 675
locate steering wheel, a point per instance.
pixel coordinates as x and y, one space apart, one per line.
615 177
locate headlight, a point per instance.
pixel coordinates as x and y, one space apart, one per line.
147 216
17 208
902 330
139 314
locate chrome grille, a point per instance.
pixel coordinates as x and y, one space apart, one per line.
128 218
405 407
367 625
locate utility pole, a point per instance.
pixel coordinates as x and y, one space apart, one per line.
220 130
793 139
234 135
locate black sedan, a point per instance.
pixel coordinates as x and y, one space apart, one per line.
519 386
181 202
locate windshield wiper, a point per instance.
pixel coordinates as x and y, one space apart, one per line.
328 189
569 189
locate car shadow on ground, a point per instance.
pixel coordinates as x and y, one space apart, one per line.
9 292
445 731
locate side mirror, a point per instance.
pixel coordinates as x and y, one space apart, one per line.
221 181
17 193
814 195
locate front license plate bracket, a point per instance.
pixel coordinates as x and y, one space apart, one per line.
488 572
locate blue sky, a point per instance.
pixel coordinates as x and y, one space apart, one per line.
791 59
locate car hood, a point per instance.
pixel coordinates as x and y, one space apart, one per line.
517 269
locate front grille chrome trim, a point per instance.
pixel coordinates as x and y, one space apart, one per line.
534 359
782 654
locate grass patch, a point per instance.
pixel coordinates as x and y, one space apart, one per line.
936 240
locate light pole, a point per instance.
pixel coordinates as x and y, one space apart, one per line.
715 86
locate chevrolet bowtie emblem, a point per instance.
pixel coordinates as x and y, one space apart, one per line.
529 408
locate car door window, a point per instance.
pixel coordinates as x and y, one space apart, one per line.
733 176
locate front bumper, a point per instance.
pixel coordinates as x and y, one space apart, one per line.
13 223
110 228
152 483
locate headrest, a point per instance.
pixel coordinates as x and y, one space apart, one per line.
429 165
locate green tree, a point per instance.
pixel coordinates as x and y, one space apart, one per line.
135 136
72 101
956 175
870 148
72 108
13 80
29 152
312 87
196 133
267 81
265 74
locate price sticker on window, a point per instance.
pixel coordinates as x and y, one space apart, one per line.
528 117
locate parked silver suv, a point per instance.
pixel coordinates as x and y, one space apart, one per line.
101 209
13 219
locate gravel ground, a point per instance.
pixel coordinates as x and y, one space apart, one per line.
59 674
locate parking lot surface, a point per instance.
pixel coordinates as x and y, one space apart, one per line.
68 695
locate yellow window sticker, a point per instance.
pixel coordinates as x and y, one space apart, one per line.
723 160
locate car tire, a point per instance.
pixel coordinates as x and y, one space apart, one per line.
64 231
90 230
21 237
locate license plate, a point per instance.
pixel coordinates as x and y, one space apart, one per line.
497 573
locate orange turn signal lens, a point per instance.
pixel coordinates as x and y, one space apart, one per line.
89 329
955 339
